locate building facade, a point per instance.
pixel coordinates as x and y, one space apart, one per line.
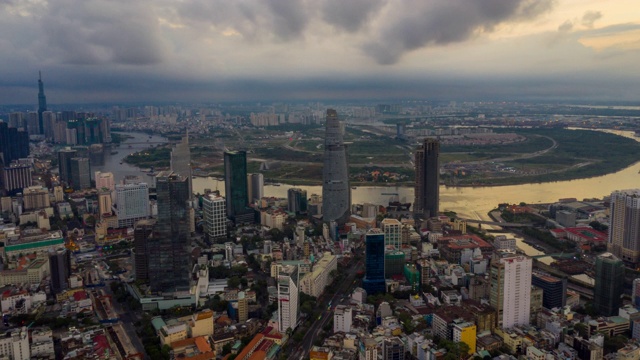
14 143
392 229
297 200
287 298
132 203
60 265
141 233
169 247
624 229
554 290
374 280
608 284
235 186
64 164
214 215
336 193
255 187
510 292
80 173
427 187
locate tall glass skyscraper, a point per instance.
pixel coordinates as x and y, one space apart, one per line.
235 186
42 104
427 188
336 193
169 251
608 286
374 281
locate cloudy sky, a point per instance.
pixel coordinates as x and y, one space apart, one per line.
219 50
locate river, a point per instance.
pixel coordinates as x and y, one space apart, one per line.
468 202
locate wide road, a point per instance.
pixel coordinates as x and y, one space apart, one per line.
344 289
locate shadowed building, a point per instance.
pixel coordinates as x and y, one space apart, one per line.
168 248
14 143
141 234
60 266
181 161
235 186
336 193
608 284
374 280
427 191
64 164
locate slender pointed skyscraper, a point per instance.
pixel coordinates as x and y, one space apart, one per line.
336 193
42 103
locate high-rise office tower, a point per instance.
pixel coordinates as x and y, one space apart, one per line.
49 123
297 199
80 173
336 193
141 234
132 203
510 283
235 185
169 247
608 286
214 216
624 231
181 161
60 266
554 289
42 103
392 229
427 188
374 281
64 164
288 298
255 187
14 143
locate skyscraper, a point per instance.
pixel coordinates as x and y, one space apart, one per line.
42 103
297 200
60 266
608 287
510 294
427 188
64 164
14 143
168 248
214 216
235 185
255 187
80 173
336 193
374 281
288 298
624 231
181 161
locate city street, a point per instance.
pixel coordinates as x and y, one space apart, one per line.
344 290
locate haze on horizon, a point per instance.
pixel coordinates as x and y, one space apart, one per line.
100 51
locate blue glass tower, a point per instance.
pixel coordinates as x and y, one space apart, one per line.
374 281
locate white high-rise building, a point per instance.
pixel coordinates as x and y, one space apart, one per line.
392 229
104 180
511 289
287 298
15 345
132 201
342 318
214 215
624 231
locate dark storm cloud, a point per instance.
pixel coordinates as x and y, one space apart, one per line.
99 31
349 15
413 25
255 20
590 17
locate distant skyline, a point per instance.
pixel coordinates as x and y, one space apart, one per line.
100 51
